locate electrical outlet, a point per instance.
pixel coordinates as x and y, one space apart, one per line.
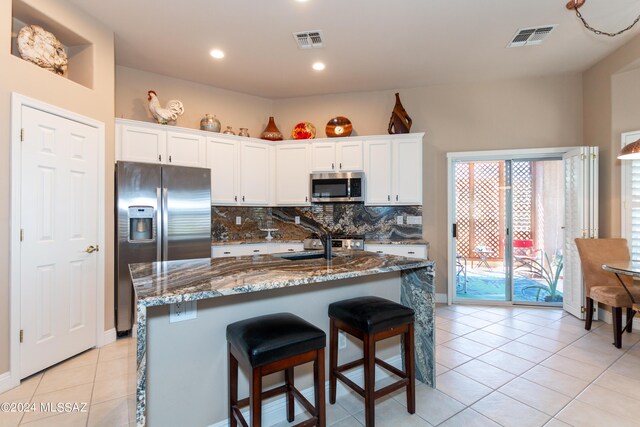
297 219
238 220
342 340
414 220
180 311
399 220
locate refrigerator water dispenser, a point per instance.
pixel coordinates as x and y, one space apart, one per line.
140 223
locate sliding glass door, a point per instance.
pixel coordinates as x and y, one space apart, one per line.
508 230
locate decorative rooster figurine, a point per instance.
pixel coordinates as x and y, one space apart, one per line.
164 115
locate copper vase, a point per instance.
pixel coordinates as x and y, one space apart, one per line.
271 132
400 121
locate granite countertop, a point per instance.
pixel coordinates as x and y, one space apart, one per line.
167 282
370 242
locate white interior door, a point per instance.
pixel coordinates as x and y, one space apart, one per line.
59 219
580 220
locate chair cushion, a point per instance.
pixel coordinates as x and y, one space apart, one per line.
274 337
614 296
371 314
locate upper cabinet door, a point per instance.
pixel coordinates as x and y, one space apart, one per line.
324 156
349 155
184 149
254 173
407 171
222 159
377 172
142 144
292 174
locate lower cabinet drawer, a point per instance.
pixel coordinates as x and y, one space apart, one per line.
409 251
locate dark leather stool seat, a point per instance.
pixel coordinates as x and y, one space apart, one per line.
372 319
269 344
371 314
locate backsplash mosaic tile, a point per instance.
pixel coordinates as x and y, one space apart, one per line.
375 222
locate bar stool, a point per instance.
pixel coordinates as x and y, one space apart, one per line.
372 319
268 344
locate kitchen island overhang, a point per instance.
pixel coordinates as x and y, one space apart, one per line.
258 285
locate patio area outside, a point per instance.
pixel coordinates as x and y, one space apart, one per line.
537 207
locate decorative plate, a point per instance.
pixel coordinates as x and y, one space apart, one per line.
303 130
338 126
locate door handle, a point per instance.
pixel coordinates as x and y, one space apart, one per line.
91 249
332 167
306 198
396 197
169 159
340 165
243 198
235 198
388 198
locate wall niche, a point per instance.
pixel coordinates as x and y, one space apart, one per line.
79 50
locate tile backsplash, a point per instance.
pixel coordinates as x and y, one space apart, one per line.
375 222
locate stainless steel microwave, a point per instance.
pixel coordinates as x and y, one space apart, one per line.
337 187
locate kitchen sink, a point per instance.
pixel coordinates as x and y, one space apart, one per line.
301 256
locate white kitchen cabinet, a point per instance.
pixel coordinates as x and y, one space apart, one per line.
409 251
151 143
293 166
287 247
255 176
377 172
185 149
337 156
222 159
393 170
140 143
349 155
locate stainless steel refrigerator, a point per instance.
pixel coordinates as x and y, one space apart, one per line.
163 213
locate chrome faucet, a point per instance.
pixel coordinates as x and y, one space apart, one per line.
326 240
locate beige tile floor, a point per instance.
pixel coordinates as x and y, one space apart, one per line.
496 366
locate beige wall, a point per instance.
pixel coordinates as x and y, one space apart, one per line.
527 113
599 129
30 80
232 108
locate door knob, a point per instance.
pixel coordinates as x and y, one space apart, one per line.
91 249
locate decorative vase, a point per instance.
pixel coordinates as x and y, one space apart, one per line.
271 132
400 121
229 131
338 127
210 123
244 132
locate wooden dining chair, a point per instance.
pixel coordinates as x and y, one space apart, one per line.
603 286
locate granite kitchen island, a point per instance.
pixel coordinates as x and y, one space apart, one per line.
182 367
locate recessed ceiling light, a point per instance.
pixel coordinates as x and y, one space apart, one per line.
217 53
318 66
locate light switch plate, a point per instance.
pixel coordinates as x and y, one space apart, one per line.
185 310
414 220
399 220
238 220
297 219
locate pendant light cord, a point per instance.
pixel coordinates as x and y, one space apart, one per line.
604 33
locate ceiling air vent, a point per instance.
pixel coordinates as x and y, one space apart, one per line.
531 36
309 39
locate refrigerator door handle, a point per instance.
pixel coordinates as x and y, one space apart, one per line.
165 224
159 222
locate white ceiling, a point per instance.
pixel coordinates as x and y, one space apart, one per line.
370 44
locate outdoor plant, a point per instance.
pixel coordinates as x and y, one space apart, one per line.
548 270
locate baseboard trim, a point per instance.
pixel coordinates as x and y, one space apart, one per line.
441 299
7 382
108 337
607 317
274 412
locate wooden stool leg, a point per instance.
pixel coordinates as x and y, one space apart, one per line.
333 360
288 380
589 309
318 385
410 369
255 398
617 326
369 347
630 314
233 387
